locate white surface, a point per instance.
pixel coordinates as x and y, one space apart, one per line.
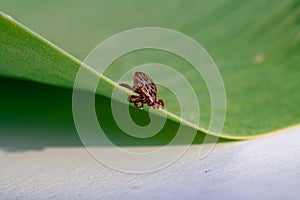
266 168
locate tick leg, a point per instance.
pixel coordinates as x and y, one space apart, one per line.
161 102
136 103
126 86
131 97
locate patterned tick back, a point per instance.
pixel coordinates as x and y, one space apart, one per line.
143 85
143 82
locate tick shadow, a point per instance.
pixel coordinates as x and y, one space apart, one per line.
35 116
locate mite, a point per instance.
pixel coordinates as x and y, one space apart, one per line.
147 90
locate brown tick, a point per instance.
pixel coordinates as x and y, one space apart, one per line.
147 90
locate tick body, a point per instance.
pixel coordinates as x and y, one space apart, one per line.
147 90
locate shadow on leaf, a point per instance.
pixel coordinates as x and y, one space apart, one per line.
35 116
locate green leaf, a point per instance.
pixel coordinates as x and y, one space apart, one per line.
26 55
255 45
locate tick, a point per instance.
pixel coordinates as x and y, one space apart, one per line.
147 90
